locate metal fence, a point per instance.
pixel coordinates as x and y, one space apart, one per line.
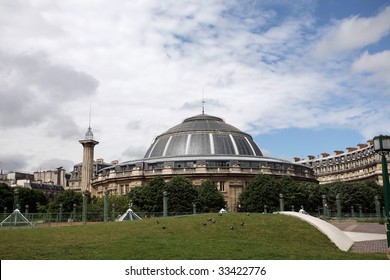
57 219
71 218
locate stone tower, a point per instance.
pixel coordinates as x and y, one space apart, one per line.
88 154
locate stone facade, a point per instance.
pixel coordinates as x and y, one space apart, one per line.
230 179
57 177
354 164
201 148
76 173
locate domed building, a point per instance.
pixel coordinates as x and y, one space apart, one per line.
200 148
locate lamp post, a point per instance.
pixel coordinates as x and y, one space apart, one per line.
338 204
60 215
85 202
16 199
324 206
382 147
74 212
105 205
281 202
165 204
26 212
377 208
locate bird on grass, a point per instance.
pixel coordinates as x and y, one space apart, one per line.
213 221
231 228
163 227
209 219
158 221
247 214
242 224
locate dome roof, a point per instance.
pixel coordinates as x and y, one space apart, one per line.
203 135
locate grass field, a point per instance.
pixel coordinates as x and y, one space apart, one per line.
267 237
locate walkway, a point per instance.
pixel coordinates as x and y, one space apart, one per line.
359 237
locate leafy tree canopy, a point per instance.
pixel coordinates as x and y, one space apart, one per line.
149 198
26 196
210 199
181 194
6 197
265 190
67 199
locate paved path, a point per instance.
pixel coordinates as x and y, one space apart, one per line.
367 237
359 237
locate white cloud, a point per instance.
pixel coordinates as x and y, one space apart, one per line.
378 65
353 33
144 64
34 89
13 161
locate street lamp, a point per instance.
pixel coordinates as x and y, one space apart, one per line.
85 202
16 199
281 202
382 147
165 204
105 217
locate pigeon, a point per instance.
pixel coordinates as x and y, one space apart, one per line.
158 221
209 219
231 228
242 224
205 224
163 227
213 221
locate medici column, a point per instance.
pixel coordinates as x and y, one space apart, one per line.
88 154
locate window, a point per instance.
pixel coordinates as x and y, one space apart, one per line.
217 163
222 186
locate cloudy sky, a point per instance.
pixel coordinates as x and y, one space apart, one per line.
302 77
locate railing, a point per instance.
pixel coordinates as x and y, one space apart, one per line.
360 217
66 219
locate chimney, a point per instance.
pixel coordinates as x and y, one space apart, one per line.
310 157
338 152
59 175
99 161
296 159
324 155
361 146
114 162
351 149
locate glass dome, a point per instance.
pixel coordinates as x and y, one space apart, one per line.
203 135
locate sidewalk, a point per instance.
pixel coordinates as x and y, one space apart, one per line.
367 237
359 237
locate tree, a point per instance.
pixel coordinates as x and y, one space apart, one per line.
353 194
153 194
262 190
209 197
137 196
150 197
32 198
6 197
120 202
26 196
67 199
181 194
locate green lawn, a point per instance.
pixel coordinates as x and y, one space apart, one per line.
268 237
